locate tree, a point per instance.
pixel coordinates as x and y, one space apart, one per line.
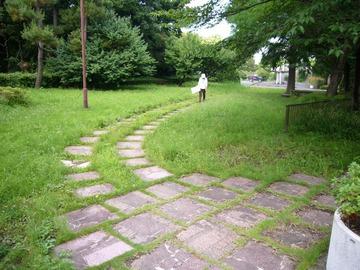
115 50
33 12
184 54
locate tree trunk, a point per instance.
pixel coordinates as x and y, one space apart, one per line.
347 78
55 17
356 91
336 76
40 57
291 80
39 71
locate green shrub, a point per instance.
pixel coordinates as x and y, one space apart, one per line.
25 79
347 194
12 96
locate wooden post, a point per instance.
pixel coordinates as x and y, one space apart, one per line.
83 52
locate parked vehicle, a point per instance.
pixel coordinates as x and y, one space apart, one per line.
255 78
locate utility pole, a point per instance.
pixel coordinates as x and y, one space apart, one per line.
83 51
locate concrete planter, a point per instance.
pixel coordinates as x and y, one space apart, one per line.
344 249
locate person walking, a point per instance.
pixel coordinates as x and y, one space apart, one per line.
203 85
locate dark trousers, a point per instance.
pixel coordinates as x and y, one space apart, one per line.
202 95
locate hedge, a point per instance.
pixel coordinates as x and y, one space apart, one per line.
24 79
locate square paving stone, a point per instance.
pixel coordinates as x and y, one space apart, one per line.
316 216
131 153
289 189
80 150
327 200
142 132
241 183
84 176
269 200
149 127
152 173
145 228
89 139
131 201
240 216
135 138
311 180
77 164
94 190
295 236
256 256
167 190
169 257
129 145
208 238
89 216
217 194
133 162
100 132
185 209
198 179
93 249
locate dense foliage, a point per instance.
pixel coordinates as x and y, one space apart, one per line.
189 55
347 194
115 50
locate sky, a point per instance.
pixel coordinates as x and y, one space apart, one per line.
222 30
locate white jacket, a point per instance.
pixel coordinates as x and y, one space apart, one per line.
203 83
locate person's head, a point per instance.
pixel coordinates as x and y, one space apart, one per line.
203 76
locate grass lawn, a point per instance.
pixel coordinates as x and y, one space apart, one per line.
236 132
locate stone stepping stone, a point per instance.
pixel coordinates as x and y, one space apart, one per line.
131 153
289 189
209 239
326 200
131 201
167 190
241 183
198 179
100 132
93 249
152 173
80 150
316 217
135 138
84 176
154 123
169 257
133 162
269 201
89 139
87 217
101 189
295 236
145 228
129 145
240 216
77 164
185 209
310 180
258 256
149 127
142 132
217 194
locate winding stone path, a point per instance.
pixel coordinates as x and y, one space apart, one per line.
198 220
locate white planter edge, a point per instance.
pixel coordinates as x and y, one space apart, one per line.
344 249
